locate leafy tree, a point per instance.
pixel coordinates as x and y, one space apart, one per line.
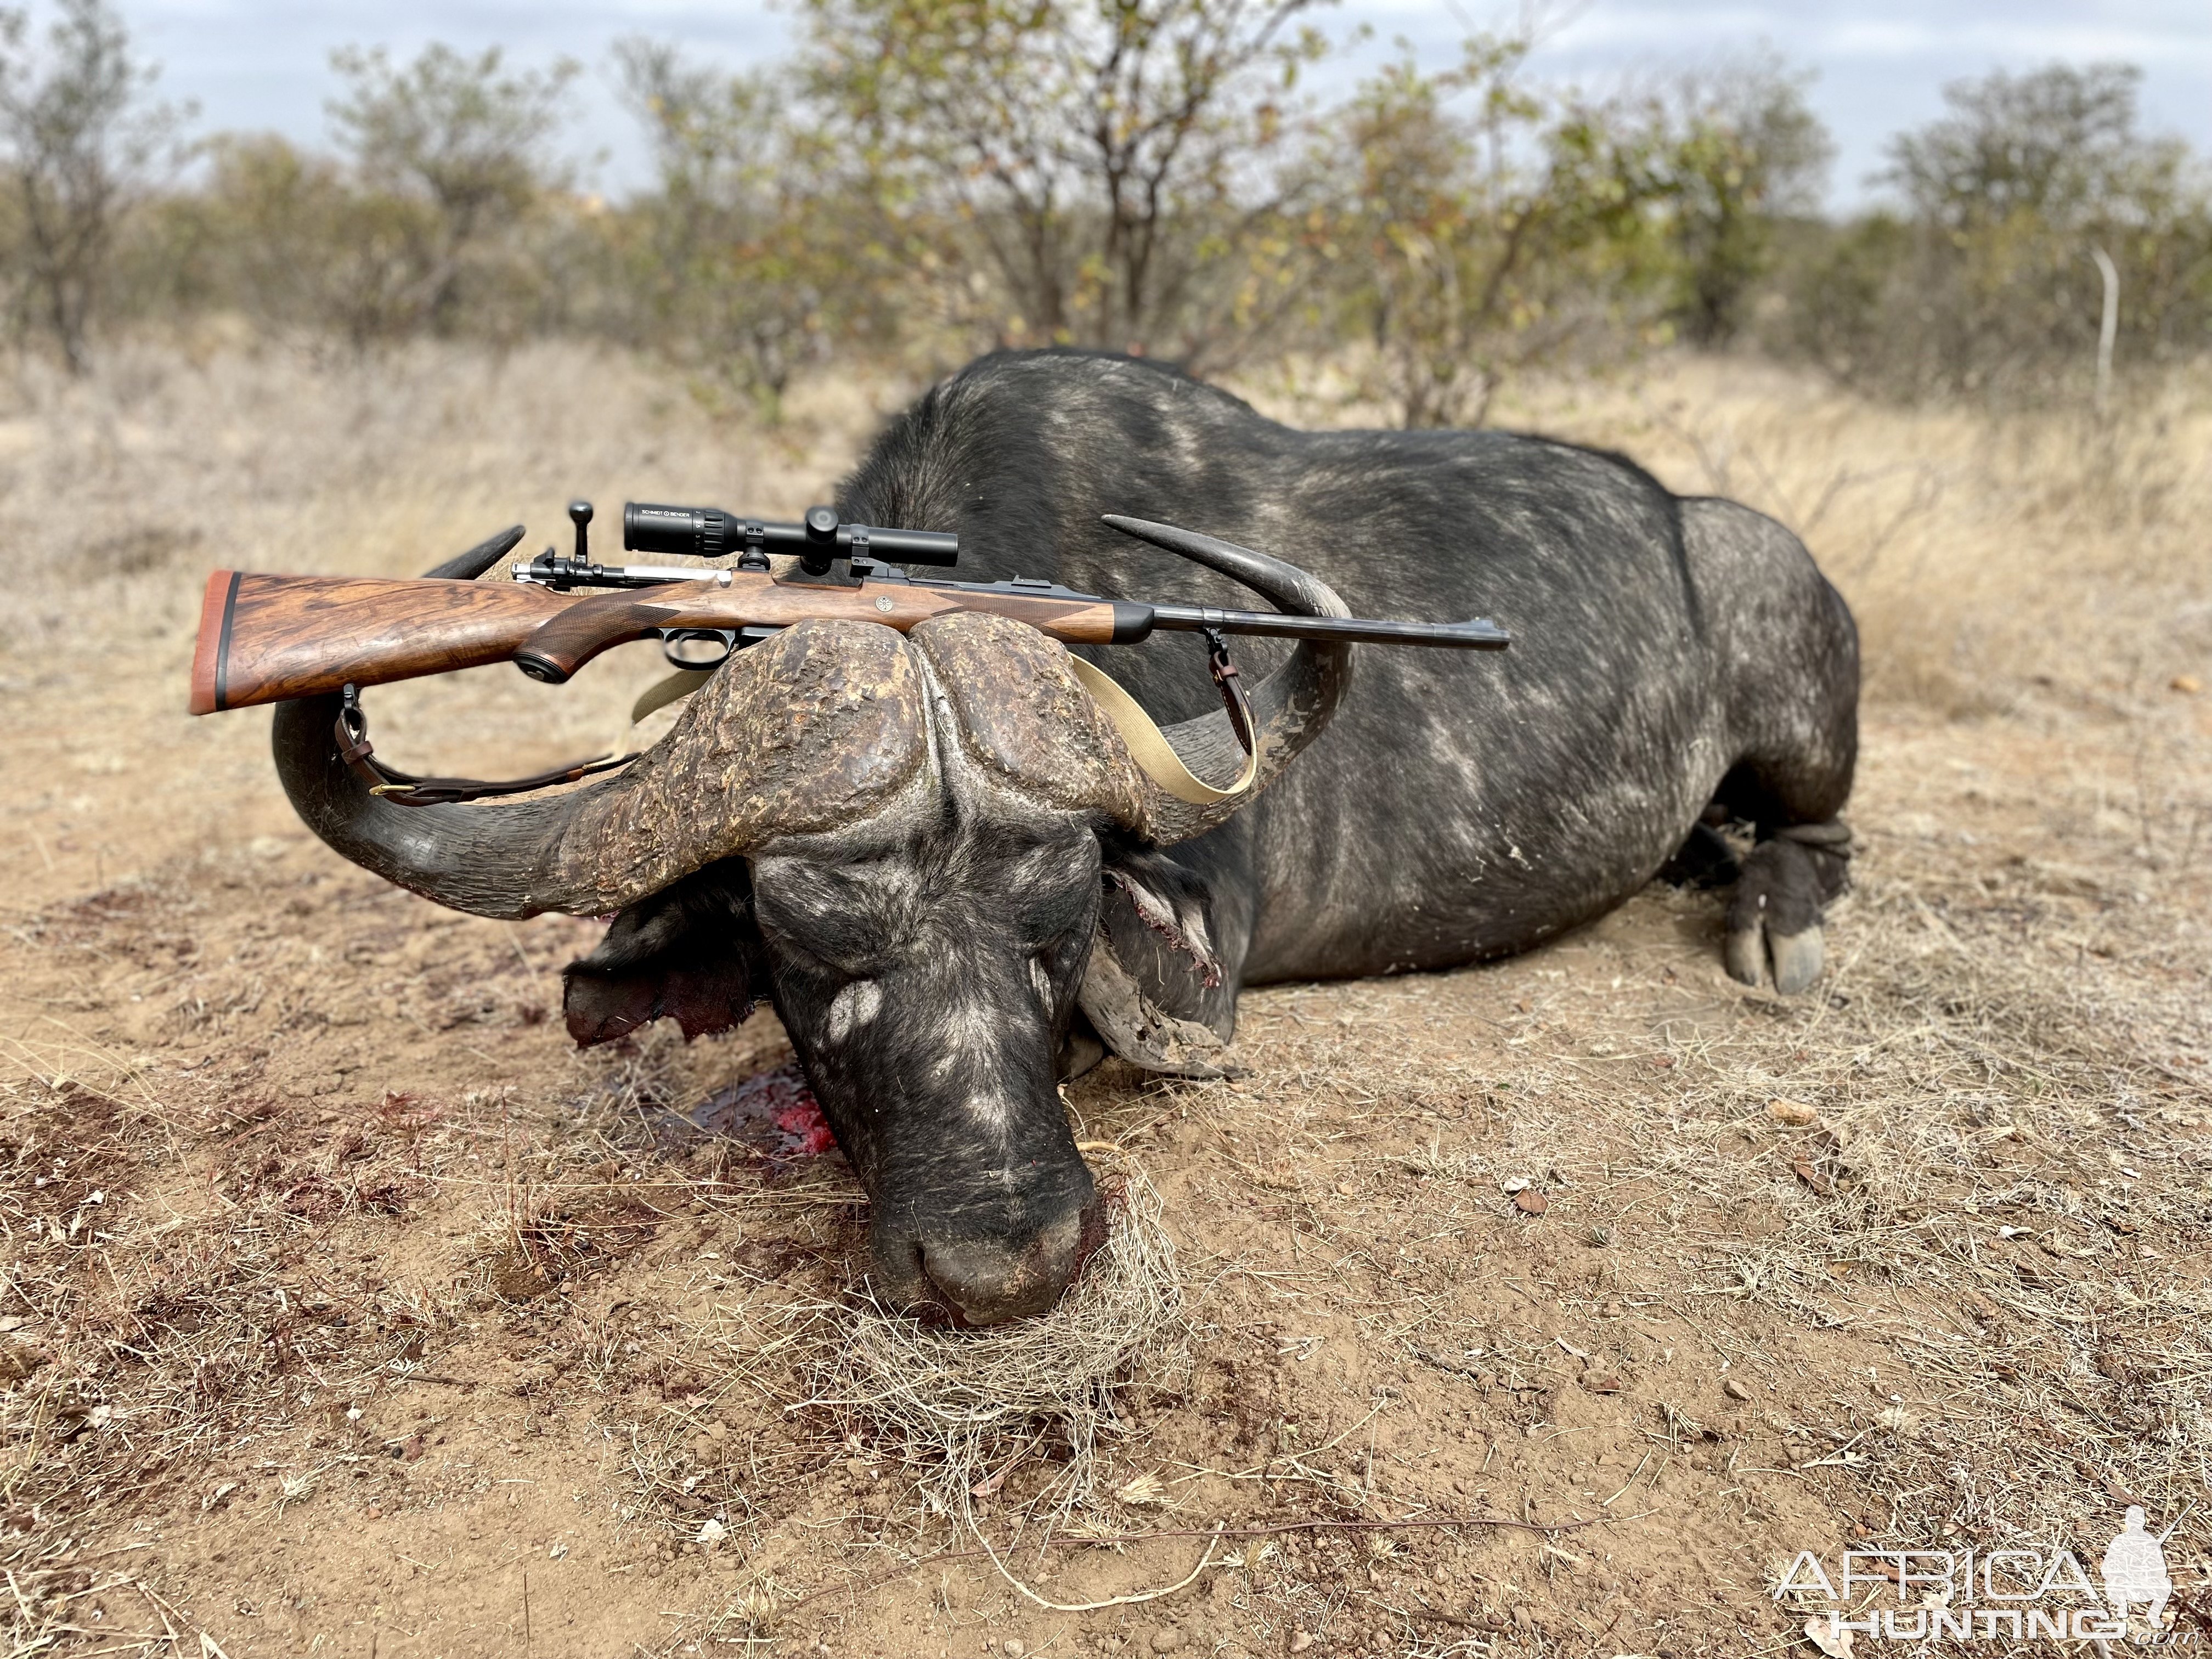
1988 283
1743 150
304 243
762 252
2058 145
250 239
454 153
80 137
1498 227
1112 164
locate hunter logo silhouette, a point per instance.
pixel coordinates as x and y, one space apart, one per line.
2134 1569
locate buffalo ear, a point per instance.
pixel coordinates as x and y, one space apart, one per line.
1155 991
690 953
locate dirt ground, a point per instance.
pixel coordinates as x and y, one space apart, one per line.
1551 1307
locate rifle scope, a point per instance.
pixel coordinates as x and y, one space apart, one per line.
707 532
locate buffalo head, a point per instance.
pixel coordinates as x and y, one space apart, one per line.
896 839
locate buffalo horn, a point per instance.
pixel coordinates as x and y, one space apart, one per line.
1289 708
819 726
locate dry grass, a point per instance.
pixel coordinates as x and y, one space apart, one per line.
1986 558
962 1409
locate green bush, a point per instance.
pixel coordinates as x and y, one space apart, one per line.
1987 284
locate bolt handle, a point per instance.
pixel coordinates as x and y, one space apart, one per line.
580 514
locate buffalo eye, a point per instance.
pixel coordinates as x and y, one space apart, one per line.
831 924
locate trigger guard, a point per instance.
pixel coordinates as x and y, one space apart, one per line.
672 638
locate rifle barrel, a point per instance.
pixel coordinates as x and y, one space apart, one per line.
1477 634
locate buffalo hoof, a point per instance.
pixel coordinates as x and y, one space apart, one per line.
1745 953
1774 915
1797 960
1796 957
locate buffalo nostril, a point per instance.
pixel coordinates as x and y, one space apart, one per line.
987 1284
989 1281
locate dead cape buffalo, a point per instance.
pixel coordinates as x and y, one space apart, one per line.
938 861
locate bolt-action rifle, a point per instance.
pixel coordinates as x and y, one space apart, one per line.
263 639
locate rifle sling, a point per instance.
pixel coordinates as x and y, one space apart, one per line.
1148 746
658 695
405 789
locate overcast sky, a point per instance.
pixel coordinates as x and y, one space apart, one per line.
1881 64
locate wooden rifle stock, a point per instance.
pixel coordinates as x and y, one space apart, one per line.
263 639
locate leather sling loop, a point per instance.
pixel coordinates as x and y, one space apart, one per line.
1149 747
405 789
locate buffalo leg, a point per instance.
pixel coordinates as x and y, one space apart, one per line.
1790 679
1703 860
1775 914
